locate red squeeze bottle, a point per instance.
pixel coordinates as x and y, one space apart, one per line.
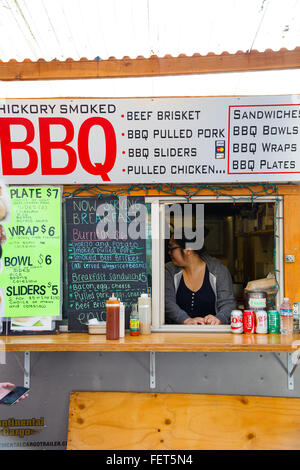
112 318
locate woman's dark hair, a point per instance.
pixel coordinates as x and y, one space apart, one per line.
184 243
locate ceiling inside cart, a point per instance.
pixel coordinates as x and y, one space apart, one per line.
62 29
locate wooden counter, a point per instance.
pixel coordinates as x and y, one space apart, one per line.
160 342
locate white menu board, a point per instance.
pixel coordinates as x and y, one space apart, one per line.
150 140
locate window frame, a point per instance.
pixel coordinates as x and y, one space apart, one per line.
158 204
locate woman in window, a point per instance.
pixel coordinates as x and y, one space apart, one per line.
198 288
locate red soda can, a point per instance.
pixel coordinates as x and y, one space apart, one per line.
237 321
261 321
249 321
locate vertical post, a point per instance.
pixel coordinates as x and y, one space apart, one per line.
27 369
155 297
279 246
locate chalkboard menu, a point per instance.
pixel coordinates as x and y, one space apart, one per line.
30 266
105 254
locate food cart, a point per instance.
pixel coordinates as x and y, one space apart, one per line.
252 201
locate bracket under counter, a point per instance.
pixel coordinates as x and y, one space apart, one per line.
289 369
152 369
158 342
293 362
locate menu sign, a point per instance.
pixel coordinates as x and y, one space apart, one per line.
150 140
105 244
30 276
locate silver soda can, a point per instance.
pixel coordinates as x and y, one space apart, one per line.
237 325
261 321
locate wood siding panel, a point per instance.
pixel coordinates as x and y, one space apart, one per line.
147 421
291 217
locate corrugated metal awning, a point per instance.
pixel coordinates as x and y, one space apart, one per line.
101 29
60 29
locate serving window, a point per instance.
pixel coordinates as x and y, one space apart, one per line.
243 234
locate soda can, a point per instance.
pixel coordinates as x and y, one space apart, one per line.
237 321
261 321
273 321
249 321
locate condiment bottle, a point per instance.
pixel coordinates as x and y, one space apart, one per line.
122 319
112 318
144 306
134 321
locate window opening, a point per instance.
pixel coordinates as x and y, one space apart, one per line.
242 235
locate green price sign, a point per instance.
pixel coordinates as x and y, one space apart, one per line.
30 265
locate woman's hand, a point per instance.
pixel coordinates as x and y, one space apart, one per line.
5 388
211 320
194 321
